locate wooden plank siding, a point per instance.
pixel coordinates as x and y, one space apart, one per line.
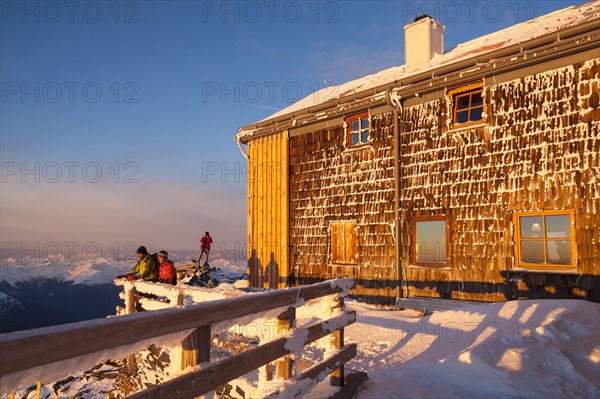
329 184
268 211
538 150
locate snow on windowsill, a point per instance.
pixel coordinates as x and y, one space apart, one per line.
358 148
446 268
469 127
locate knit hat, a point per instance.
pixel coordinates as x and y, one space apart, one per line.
142 250
164 254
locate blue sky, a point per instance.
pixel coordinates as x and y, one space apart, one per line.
117 118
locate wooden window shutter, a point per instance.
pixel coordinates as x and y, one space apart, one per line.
343 242
350 242
334 245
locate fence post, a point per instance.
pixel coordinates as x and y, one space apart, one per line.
195 348
180 298
285 321
129 299
337 341
130 309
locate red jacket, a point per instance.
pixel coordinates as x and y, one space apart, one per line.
167 273
205 242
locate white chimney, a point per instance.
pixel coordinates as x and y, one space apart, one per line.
422 40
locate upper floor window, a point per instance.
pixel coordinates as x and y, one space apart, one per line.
343 242
358 129
545 240
430 241
467 104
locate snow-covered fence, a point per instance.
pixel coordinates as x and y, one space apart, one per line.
50 354
156 296
175 294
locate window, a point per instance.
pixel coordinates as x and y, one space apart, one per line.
343 242
467 104
545 240
430 241
358 129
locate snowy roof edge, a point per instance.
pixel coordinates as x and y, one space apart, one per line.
542 26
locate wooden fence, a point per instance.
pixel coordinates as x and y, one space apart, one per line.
168 295
40 354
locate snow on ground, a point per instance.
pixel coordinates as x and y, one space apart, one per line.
524 349
227 266
516 349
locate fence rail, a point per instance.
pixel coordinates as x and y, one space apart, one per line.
40 354
175 294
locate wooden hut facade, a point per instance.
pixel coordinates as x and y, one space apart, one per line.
472 174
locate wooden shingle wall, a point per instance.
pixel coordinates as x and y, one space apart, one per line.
329 183
540 150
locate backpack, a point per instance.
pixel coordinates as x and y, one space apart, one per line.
156 262
174 271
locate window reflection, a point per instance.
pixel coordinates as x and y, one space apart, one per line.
531 226
364 123
558 226
546 239
559 252
431 241
532 251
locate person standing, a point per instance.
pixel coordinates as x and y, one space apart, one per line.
167 274
205 242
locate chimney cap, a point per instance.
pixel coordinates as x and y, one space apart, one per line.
420 17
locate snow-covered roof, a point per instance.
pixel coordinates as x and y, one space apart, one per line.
532 29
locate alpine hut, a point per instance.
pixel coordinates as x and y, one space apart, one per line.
472 174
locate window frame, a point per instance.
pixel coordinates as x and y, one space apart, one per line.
413 243
519 264
349 130
346 259
463 91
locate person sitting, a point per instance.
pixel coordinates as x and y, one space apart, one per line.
145 268
167 274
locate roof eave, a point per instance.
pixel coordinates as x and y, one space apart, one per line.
286 121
